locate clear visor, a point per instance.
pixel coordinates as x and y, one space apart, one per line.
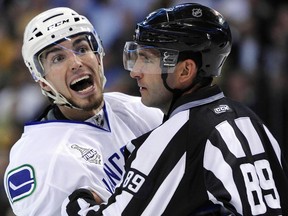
65 51
149 59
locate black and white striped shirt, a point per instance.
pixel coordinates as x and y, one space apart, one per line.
210 150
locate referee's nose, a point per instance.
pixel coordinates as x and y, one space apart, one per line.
136 75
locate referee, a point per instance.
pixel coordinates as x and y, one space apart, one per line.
211 155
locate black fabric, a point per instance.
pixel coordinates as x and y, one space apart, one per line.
211 209
73 207
247 156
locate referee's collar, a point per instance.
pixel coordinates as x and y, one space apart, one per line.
198 98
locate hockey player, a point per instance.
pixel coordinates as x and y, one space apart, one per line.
79 140
210 150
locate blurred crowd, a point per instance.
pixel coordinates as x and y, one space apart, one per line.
255 72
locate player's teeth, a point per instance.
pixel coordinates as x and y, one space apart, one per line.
77 80
87 89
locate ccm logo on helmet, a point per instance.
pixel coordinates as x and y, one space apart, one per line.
55 25
221 109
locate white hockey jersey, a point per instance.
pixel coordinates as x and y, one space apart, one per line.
53 158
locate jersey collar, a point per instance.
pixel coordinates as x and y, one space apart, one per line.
201 97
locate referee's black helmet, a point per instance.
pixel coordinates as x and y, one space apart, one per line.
189 27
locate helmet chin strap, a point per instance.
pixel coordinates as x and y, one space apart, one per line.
104 80
60 100
176 93
202 81
57 98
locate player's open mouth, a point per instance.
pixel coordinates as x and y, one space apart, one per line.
82 84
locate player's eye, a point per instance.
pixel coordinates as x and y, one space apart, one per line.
57 58
82 50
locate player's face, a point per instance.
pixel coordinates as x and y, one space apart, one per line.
151 87
74 71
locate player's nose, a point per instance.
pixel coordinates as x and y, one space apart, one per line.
74 62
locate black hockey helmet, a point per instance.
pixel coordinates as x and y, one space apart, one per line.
189 27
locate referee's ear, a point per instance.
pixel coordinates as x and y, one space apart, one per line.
187 73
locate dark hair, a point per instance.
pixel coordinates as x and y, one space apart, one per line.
195 56
191 55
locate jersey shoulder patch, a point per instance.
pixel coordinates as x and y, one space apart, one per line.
222 108
20 182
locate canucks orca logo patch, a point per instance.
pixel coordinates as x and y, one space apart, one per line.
20 182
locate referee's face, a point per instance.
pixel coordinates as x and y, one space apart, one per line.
73 69
151 84
152 90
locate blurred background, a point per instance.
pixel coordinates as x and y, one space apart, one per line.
255 73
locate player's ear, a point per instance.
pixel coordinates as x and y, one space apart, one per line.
44 86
